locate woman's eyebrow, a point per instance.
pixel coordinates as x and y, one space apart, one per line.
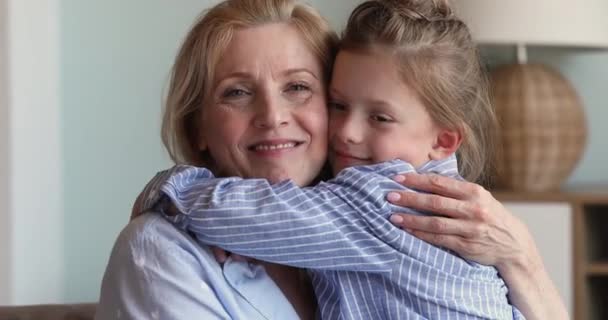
221 79
235 74
300 70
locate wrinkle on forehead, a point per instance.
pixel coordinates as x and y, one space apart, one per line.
280 49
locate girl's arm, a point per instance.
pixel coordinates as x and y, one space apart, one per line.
480 228
315 228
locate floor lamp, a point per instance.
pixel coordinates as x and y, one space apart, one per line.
543 124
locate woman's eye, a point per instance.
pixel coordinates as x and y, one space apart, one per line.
298 87
381 118
234 93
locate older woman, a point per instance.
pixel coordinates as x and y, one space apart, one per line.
278 55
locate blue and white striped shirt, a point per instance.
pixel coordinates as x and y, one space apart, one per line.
361 265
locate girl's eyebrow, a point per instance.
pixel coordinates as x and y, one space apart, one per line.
379 103
335 92
372 102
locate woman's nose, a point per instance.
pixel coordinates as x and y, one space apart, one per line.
271 113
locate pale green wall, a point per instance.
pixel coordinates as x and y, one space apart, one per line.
587 70
115 62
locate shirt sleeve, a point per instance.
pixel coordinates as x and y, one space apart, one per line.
339 226
155 278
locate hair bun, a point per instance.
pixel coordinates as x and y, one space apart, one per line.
429 10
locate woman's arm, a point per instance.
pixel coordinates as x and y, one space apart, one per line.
480 228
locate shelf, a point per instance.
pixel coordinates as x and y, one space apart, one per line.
596 238
597 269
588 195
588 221
596 305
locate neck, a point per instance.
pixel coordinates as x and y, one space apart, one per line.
296 287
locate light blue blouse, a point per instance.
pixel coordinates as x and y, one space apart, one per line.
156 271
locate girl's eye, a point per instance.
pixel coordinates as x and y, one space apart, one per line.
336 106
381 118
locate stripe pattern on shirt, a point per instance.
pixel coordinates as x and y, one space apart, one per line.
362 266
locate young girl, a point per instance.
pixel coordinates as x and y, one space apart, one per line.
407 94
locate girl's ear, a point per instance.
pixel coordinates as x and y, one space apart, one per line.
446 143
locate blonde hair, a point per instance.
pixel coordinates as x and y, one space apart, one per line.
193 70
439 60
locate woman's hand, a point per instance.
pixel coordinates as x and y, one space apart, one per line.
470 221
467 220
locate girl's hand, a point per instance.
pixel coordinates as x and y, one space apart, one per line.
469 220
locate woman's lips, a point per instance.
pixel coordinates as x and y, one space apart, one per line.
274 147
268 147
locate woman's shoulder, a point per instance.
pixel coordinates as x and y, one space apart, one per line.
151 229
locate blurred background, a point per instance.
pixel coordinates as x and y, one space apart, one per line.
81 87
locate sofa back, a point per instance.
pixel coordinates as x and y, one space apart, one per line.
84 311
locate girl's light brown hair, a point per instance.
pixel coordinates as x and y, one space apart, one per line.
193 70
439 60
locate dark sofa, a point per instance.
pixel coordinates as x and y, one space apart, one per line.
85 311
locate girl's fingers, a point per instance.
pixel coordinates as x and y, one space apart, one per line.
437 225
220 254
445 186
437 204
238 257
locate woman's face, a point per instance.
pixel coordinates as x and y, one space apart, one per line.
266 115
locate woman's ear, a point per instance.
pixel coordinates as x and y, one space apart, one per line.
446 144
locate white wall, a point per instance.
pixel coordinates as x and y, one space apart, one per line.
335 11
116 57
35 209
5 221
551 226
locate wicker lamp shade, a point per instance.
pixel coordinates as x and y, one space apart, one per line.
543 127
543 122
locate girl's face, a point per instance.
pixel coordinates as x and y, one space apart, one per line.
374 116
266 114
